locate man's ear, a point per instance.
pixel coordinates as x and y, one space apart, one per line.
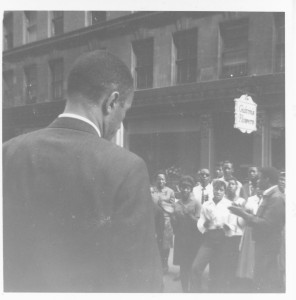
109 102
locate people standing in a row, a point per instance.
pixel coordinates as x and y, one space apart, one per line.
164 198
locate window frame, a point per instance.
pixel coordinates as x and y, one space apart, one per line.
8 92
57 19
144 62
57 79
30 26
8 31
31 83
279 61
235 46
186 54
102 17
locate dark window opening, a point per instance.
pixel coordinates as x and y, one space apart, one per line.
57 79
57 22
98 17
234 35
143 51
8 31
186 55
280 42
31 84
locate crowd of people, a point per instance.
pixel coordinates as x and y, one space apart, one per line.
78 214
231 230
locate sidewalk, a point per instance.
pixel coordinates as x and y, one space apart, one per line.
171 286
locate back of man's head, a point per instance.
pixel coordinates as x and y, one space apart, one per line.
271 173
97 73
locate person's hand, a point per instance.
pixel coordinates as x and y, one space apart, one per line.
206 224
236 210
226 227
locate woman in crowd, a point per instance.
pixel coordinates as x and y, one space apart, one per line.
231 246
245 270
164 198
215 223
187 237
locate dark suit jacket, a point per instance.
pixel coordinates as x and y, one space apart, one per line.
77 214
269 221
267 228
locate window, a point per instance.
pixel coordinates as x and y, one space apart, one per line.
280 42
98 16
7 91
57 22
143 51
31 84
57 79
8 31
186 55
30 26
235 48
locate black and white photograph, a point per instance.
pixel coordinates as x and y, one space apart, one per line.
144 151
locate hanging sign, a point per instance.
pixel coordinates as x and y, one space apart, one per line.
245 114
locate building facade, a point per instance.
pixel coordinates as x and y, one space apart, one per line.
188 69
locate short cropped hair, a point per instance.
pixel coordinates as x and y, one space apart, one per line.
232 178
252 167
227 162
271 173
186 179
96 73
217 183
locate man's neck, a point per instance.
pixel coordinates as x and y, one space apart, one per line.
216 201
231 196
79 106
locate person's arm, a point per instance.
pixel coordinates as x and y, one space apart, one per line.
195 211
274 213
172 197
203 222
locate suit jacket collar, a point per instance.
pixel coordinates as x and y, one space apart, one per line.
75 124
270 191
266 196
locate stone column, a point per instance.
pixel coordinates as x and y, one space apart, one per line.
262 142
207 143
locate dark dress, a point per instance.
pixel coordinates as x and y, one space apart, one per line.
187 236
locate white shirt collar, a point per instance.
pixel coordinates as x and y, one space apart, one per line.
269 189
81 118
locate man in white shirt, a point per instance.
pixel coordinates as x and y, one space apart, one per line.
204 191
215 223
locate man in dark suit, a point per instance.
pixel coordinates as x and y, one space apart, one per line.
77 209
267 226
